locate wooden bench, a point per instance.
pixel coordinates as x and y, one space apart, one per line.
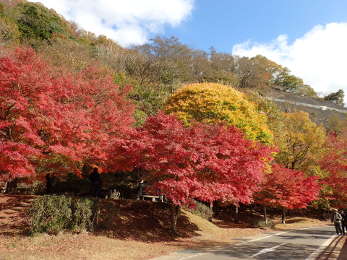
153 198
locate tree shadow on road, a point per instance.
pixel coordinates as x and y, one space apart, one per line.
337 249
343 252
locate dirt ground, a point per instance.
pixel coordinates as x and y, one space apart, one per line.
138 231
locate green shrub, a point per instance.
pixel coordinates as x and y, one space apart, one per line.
82 210
36 22
52 214
201 210
37 188
261 223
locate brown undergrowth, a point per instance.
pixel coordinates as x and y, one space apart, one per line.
141 221
126 229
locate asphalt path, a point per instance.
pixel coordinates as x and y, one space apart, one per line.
308 105
302 244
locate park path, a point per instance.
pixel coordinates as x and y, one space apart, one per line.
303 244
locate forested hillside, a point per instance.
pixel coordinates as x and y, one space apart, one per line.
154 70
193 124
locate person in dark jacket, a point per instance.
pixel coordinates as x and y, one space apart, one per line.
49 184
344 221
95 180
140 189
337 220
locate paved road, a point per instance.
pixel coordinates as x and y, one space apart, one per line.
308 105
303 244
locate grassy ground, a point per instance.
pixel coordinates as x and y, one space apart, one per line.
130 230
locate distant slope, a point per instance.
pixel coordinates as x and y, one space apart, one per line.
320 110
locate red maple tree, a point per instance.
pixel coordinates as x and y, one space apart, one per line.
203 162
287 189
43 112
334 163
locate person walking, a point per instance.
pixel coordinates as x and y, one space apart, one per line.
344 221
337 220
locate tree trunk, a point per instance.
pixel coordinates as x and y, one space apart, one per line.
265 216
211 207
175 213
237 217
283 216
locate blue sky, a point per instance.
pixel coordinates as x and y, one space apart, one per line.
224 23
307 36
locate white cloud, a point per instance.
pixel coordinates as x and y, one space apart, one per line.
125 21
319 57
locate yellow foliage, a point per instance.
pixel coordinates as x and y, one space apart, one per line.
214 103
301 143
8 30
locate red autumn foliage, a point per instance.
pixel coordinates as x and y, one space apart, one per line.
287 188
335 164
42 112
204 162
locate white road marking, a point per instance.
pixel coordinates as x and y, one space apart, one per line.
276 234
261 238
191 256
263 251
266 250
249 241
320 249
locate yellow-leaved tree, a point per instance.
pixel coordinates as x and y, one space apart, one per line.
301 143
215 103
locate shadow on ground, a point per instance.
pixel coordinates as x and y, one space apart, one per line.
12 214
141 221
343 253
337 249
122 219
290 251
